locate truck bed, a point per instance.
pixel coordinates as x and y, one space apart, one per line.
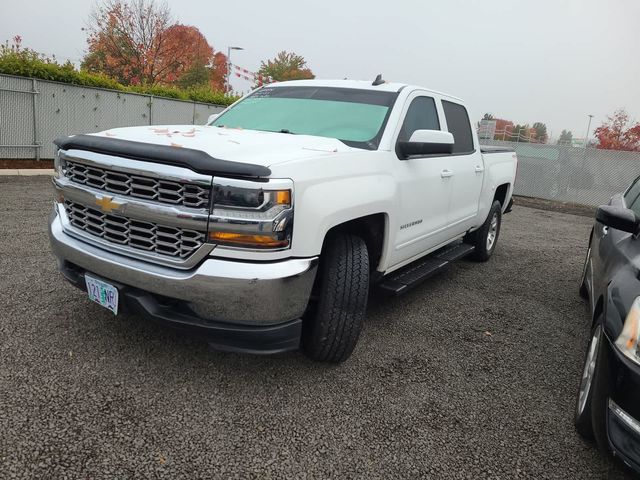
493 149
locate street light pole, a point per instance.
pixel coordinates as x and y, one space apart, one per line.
586 137
227 82
586 141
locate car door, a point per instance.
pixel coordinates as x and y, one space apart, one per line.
424 185
612 247
467 169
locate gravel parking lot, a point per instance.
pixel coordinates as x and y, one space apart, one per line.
470 375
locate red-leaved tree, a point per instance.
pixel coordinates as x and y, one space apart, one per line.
619 132
137 42
193 54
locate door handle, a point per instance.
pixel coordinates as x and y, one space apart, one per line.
479 168
446 173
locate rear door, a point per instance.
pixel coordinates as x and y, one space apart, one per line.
467 169
424 185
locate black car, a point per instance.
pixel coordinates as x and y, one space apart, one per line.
608 406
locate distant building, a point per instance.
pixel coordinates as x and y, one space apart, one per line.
487 129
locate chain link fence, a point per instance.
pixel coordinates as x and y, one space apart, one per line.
34 112
586 176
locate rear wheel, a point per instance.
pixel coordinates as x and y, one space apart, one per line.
332 326
485 238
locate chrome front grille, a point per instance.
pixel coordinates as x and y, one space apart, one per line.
151 237
163 191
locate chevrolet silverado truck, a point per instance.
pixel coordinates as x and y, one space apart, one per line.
265 229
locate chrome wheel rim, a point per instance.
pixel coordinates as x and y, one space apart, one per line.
493 232
589 369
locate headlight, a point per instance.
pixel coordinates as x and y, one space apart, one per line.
627 341
252 215
57 164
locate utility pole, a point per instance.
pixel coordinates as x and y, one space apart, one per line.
586 142
227 83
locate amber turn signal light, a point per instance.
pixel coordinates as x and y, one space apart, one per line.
243 240
283 197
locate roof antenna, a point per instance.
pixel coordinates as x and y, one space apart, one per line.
378 80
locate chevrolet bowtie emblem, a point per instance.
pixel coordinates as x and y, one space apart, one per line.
106 203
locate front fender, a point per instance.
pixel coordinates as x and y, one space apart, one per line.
621 292
330 203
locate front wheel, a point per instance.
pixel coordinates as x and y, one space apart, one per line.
582 417
332 326
485 238
584 290
595 385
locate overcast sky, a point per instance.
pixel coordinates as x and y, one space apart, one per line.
554 61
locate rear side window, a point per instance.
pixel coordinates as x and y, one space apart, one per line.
422 115
459 126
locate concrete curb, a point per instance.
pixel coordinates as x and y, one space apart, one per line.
26 172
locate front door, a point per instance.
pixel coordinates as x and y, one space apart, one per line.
612 247
424 187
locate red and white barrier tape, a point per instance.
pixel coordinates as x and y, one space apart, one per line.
248 75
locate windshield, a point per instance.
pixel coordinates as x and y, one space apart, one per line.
356 117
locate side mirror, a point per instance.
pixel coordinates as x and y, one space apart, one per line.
426 142
623 219
212 117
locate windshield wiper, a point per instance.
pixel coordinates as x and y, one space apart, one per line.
283 130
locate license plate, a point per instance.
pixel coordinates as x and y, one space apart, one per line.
102 293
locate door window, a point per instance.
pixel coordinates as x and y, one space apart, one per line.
459 126
422 115
635 206
632 196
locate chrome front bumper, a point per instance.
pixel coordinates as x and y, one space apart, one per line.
217 290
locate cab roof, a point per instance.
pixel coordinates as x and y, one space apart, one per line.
358 84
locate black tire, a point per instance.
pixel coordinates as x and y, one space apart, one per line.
582 413
590 421
602 387
479 238
332 327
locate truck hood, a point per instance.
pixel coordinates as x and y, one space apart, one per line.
236 145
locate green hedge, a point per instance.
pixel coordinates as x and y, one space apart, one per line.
27 63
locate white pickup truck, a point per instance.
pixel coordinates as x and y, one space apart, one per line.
265 229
